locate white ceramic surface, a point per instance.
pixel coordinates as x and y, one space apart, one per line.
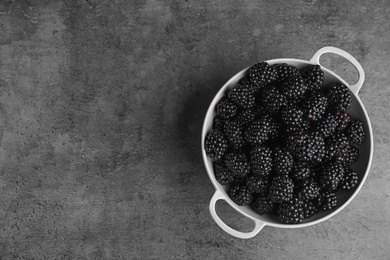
362 166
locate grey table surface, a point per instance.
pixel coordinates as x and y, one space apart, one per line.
101 109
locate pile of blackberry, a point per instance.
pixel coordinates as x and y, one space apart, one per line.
284 142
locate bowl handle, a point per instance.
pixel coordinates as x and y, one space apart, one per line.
258 224
354 88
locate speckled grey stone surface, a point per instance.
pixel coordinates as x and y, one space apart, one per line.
101 109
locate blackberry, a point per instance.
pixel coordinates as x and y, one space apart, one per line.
291 212
238 163
234 134
281 189
222 173
318 145
283 161
225 108
350 180
262 204
331 175
257 184
314 106
284 71
307 147
292 118
262 74
242 95
294 87
272 99
308 190
218 123
327 125
355 132
343 120
328 200
300 171
336 145
310 209
313 76
216 144
258 132
349 156
339 97
246 117
261 160
240 194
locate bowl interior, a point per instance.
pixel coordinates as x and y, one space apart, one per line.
356 111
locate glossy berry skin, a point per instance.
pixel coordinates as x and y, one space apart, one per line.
262 204
291 212
281 189
240 194
339 97
223 174
226 108
238 163
355 132
261 160
261 74
313 76
294 87
216 145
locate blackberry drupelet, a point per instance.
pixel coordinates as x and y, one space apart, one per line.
284 71
318 145
310 208
355 132
257 184
314 106
330 175
313 76
339 97
240 194
350 156
336 145
308 190
281 189
272 99
243 95
283 161
343 120
262 74
292 118
246 117
222 173
262 204
350 180
301 171
294 87
291 212
327 125
216 144
261 160
258 132
226 108
238 163
234 134
328 200
307 147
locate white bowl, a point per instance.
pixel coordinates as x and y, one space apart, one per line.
362 166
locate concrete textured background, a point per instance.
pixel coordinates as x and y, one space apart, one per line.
101 108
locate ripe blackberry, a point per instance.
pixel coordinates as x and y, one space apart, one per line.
226 109
314 106
308 190
216 144
327 125
257 184
258 132
281 189
283 161
218 123
343 120
294 87
292 118
262 204
222 173
238 163
355 132
246 117
307 147
261 160
328 200
272 99
350 180
336 145
318 145
291 212
313 76
240 194
339 97
262 74
349 156
284 71
242 95
234 134
310 209
331 175
300 171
